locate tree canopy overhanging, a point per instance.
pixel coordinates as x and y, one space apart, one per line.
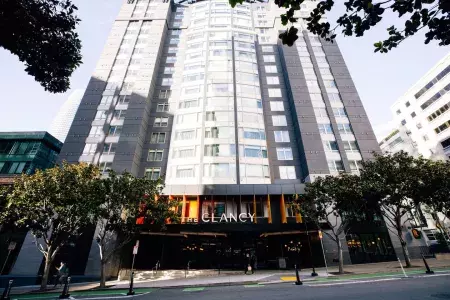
41 33
361 15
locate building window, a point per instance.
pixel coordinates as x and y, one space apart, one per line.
96 131
224 150
273 80
274 92
419 126
281 136
185 135
344 128
109 148
161 122
162 107
89 149
167 81
271 69
188 103
355 165
413 114
267 49
284 154
336 165
403 122
269 58
442 127
255 134
164 94
329 83
320 112
184 152
153 173
124 99
407 104
439 112
158 138
120 114
185 172
330 146
325 128
100 115
339 112
247 170
334 98
287 172
279 121
254 151
220 170
114 130
398 112
155 155
169 70
350 146
105 167
276 106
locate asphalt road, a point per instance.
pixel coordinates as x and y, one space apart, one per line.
429 288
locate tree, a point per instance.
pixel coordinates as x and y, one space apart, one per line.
56 205
362 15
389 181
433 191
332 204
122 200
41 33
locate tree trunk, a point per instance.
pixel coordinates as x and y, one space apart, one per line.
404 249
48 264
341 256
102 274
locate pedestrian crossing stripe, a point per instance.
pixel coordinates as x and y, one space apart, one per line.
194 289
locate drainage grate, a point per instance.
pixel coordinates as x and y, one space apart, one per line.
441 296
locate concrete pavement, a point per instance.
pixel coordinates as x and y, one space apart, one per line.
387 269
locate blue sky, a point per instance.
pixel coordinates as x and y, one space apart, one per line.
379 78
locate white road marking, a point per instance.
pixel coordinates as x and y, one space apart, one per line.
353 282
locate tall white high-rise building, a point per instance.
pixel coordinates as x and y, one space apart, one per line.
61 124
423 112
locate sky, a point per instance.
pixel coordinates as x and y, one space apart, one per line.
379 78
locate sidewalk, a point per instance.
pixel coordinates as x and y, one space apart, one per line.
260 277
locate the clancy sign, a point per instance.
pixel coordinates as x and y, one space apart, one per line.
206 218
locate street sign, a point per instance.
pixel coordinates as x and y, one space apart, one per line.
12 246
320 234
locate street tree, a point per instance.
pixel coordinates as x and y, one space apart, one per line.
41 33
389 182
332 203
122 200
433 191
432 16
56 205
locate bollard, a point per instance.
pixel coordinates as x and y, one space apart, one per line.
298 281
7 290
313 274
65 292
130 290
429 271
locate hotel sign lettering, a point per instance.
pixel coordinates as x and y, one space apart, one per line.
206 218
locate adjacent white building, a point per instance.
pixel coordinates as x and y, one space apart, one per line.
423 115
61 124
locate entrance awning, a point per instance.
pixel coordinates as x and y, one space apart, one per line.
266 234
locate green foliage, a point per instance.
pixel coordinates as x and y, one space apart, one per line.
121 200
56 205
41 33
333 203
362 15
